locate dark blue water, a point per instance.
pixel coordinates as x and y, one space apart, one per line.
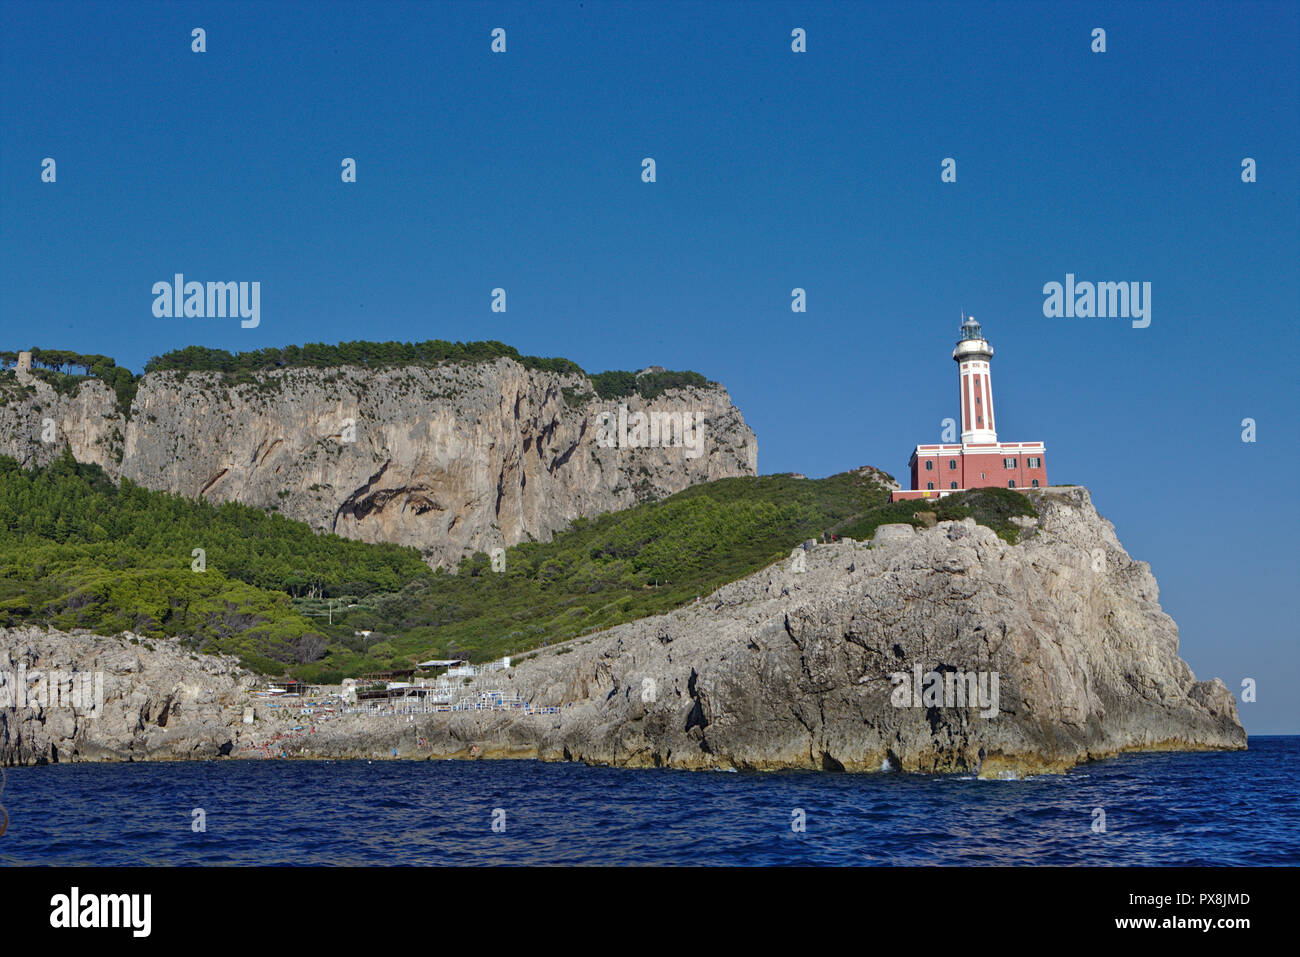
1174 809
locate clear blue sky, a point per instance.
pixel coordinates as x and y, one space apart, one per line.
775 170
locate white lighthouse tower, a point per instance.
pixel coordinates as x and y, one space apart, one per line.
973 354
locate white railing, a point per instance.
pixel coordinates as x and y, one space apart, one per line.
448 693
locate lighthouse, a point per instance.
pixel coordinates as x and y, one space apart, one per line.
980 460
973 355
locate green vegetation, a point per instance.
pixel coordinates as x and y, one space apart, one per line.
617 385
65 371
993 507
242 366
620 566
76 551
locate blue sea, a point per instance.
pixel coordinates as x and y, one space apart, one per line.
1159 809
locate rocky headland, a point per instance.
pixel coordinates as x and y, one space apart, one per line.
810 663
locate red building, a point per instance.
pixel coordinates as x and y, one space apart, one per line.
980 460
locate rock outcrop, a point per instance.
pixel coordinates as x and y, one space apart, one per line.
790 669
91 698
1069 656
450 459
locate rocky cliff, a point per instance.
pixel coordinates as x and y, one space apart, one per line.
450 459
846 656
1058 641
139 700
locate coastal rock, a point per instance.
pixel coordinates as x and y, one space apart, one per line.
160 701
789 669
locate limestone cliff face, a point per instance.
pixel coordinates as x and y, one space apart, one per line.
451 460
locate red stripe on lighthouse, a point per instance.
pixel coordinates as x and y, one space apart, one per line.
965 399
